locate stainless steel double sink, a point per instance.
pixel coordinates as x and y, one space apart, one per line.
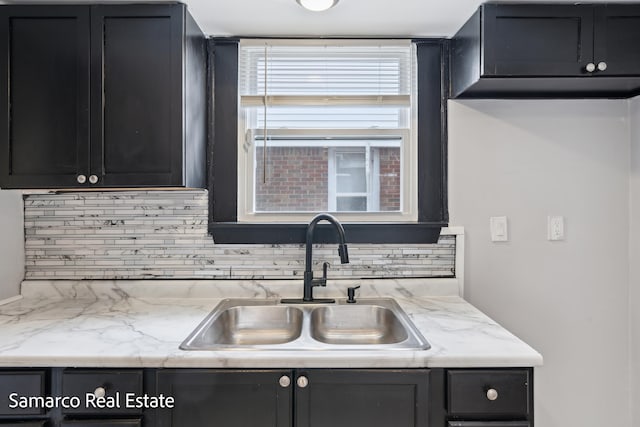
244 324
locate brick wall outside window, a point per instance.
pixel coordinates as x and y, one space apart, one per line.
296 179
389 179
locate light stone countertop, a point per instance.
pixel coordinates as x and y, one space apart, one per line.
142 323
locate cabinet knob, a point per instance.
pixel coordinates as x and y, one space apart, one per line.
602 66
81 179
591 67
93 179
284 381
303 382
492 394
100 392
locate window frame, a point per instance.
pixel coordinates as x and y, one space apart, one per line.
432 60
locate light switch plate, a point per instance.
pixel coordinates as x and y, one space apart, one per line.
555 228
499 229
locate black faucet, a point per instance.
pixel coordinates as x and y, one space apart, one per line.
309 281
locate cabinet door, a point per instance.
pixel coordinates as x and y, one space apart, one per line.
23 383
616 40
362 398
137 94
101 423
44 102
22 424
225 398
537 40
488 424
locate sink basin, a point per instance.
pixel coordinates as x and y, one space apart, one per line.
360 324
243 324
247 325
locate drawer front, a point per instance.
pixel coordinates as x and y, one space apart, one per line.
489 392
116 384
24 424
102 423
488 424
25 384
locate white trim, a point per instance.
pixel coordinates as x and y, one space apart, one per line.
326 42
373 200
324 100
332 143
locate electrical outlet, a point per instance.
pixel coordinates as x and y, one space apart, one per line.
555 228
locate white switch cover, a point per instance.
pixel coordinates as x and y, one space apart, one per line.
499 229
555 228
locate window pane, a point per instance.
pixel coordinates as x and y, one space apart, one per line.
351 204
351 172
296 181
318 175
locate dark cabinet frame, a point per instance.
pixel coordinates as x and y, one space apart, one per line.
293 404
433 214
82 16
179 161
482 65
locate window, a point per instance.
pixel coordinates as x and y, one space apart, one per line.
327 126
353 157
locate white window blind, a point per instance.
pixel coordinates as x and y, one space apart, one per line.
326 69
317 85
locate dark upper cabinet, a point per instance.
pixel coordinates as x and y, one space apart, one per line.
44 101
616 39
102 96
547 50
530 40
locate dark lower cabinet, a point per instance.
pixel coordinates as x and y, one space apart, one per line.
489 424
362 398
278 397
102 423
15 384
301 398
24 424
489 397
226 398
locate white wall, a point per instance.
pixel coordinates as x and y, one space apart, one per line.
568 299
634 259
11 243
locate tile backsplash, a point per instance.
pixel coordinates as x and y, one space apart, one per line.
163 234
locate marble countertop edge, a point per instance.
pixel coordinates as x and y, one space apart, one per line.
111 324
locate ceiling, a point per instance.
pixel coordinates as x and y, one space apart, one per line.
365 18
347 18
355 18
